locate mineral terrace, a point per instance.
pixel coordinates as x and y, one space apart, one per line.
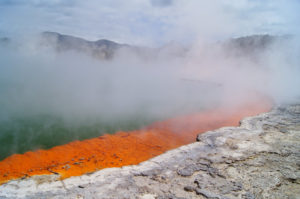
259 159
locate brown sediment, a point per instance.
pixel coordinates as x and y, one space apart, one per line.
122 148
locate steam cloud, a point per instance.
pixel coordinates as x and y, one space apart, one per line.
36 80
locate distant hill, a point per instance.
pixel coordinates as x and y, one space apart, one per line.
253 45
253 42
103 48
248 46
4 41
106 49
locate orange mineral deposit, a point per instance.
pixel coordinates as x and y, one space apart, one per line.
122 148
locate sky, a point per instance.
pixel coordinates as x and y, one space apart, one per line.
150 22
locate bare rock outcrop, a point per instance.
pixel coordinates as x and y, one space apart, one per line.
259 159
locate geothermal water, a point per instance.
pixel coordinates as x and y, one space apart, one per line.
123 148
45 131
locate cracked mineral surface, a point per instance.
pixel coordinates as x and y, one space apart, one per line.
258 159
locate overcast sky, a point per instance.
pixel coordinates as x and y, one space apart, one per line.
150 22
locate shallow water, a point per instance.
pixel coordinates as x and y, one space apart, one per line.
123 148
19 135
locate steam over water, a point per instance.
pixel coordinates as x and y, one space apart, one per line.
49 98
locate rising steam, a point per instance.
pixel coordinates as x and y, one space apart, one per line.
47 94
51 94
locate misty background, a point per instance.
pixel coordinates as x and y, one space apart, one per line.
161 59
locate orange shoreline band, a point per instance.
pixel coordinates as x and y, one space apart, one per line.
122 148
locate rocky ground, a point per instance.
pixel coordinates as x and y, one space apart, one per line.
259 159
